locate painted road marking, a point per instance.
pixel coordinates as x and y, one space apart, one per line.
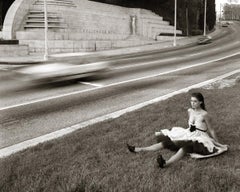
171 59
116 84
194 54
92 84
4 152
148 63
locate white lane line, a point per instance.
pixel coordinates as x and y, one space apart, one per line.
7 151
226 46
118 83
92 84
216 49
172 59
194 54
146 63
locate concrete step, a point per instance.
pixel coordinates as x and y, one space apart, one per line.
167 38
42 21
159 27
63 46
60 46
57 1
165 30
42 26
33 11
148 12
66 3
156 22
70 35
130 43
151 17
42 16
40 13
57 4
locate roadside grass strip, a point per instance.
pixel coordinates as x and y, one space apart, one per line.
4 152
96 159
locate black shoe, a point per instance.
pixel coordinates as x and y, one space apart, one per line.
161 161
131 148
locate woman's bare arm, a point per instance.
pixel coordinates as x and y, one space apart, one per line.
207 120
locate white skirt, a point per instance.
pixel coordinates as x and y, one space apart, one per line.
197 141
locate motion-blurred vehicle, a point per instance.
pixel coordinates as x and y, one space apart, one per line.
225 24
59 71
204 40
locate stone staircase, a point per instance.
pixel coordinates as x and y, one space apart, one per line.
35 17
35 20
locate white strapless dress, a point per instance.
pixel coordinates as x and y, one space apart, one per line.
181 135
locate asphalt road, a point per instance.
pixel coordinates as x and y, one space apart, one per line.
28 111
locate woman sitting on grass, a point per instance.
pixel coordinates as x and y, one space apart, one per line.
194 140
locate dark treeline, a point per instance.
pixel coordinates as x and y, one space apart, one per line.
190 12
4 6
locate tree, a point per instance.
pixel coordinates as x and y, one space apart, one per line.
231 12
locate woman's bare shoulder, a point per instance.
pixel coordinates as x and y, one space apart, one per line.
205 114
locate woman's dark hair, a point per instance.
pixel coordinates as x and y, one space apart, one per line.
199 97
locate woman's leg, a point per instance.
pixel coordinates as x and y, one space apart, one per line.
154 147
176 157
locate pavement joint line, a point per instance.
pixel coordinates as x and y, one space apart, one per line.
7 151
118 83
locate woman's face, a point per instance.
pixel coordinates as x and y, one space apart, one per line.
195 103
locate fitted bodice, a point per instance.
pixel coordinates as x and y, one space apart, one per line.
198 121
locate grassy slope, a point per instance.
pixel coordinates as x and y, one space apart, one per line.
96 158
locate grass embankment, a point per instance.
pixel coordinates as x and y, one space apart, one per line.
96 158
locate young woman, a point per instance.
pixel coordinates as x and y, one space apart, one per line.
194 140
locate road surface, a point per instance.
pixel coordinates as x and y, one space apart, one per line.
29 111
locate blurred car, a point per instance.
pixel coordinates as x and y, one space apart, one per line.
59 71
225 24
204 40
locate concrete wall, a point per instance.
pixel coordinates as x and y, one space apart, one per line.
13 50
82 26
